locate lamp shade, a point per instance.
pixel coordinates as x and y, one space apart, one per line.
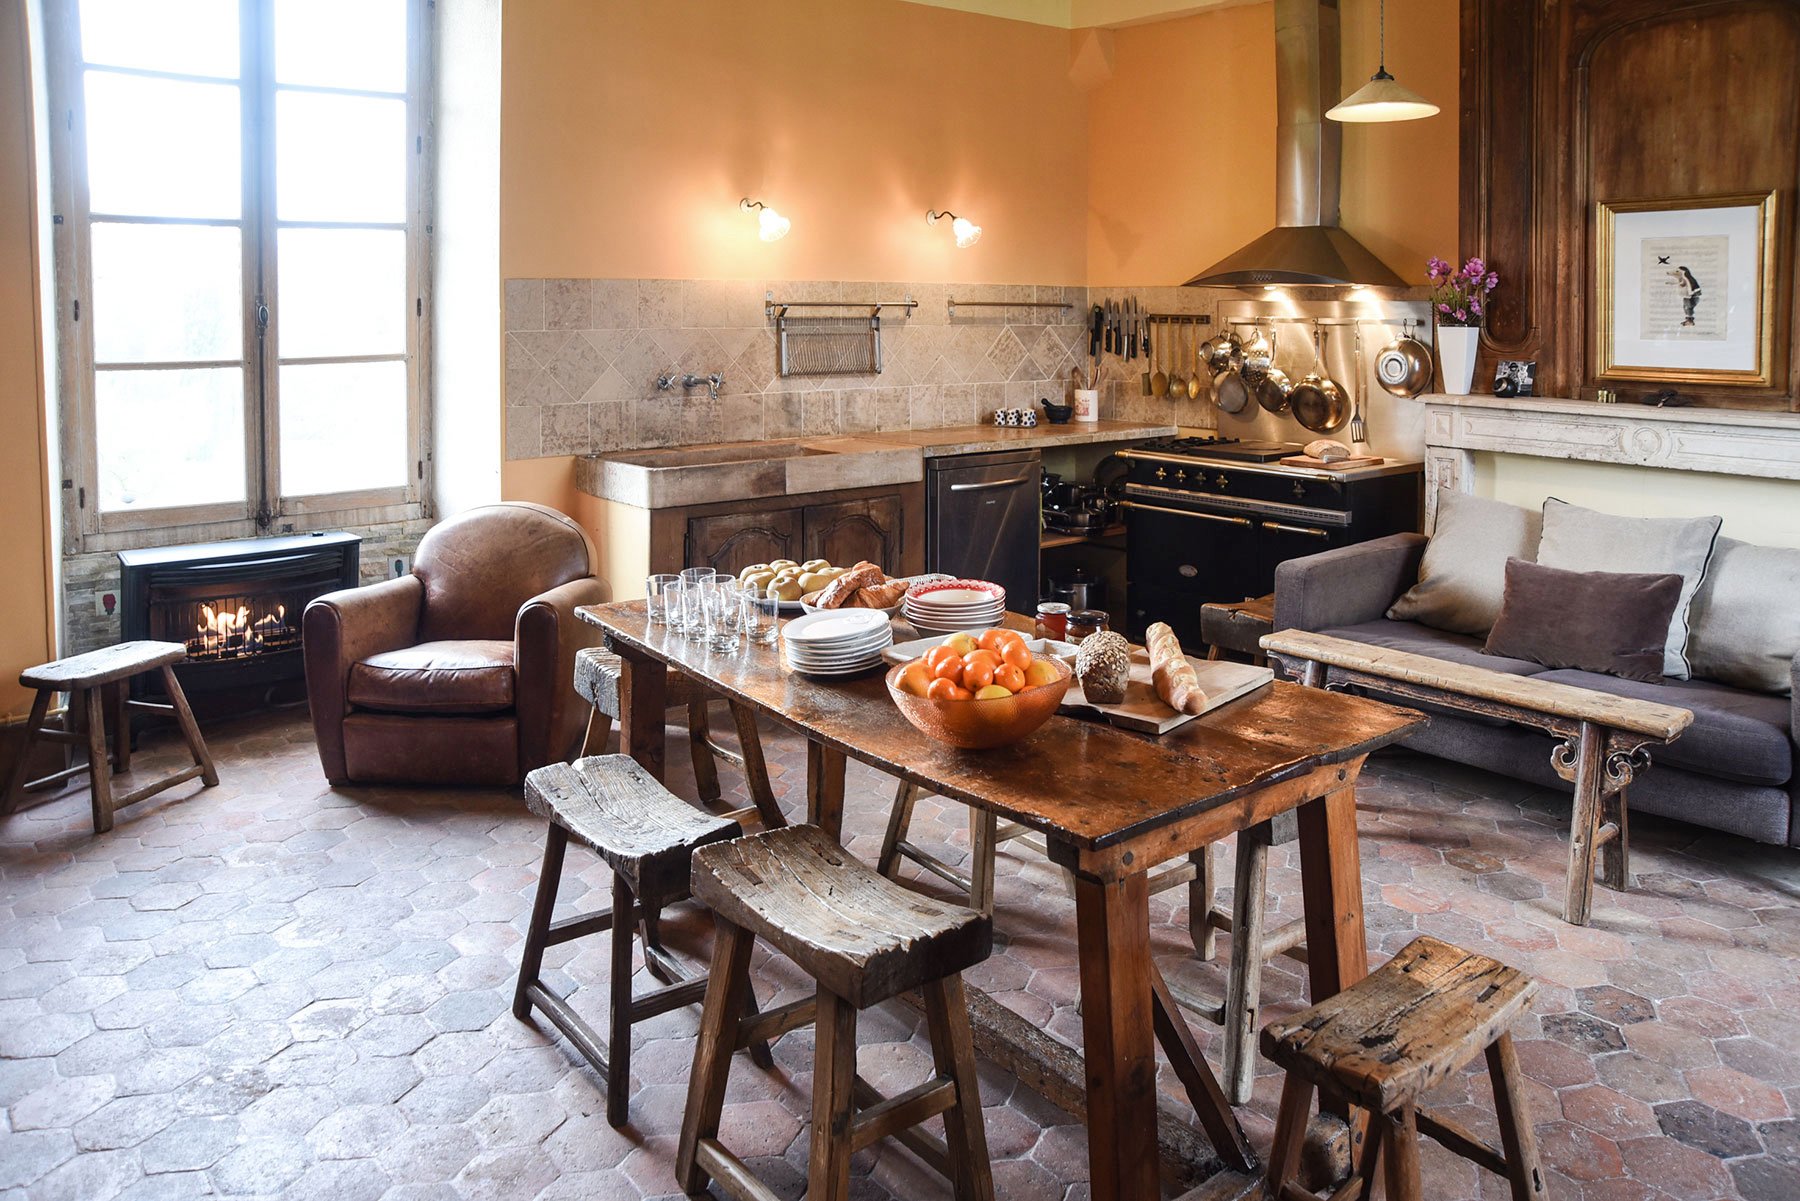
1383 99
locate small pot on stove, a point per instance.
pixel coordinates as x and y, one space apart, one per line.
1079 588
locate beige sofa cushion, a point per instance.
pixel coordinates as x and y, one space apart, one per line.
1462 577
1746 617
1578 539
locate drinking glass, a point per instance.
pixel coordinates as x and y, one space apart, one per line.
659 590
761 616
695 575
721 607
693 609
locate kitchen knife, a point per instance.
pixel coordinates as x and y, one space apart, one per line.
1131 329
1096 326
1112 328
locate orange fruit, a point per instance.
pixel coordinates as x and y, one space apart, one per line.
978 670
1041 671
948 669
1009 677
947 690
993 640
915 678
1016 654
941 654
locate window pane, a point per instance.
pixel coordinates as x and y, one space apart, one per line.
187 37
170 437
343 427
339 158
342 292
341 44
162 147
167 292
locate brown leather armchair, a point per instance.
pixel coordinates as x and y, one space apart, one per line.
461 673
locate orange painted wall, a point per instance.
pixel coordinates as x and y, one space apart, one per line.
26 632
1181 151
630 130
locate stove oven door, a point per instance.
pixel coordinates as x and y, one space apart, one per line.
1178 559
1279 541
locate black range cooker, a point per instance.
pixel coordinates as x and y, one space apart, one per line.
1208 519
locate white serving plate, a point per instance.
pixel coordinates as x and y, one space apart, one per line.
903 652
838 659
849 670
834 625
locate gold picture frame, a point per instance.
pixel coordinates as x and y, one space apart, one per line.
1649 325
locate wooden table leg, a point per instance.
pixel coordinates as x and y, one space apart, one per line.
643 699
1113 942
825 789
1337 948
1204 1092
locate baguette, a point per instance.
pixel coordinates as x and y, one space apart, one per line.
1171 672
847 585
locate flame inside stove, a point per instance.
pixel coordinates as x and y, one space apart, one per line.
228 633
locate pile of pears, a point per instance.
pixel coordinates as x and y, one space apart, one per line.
789 580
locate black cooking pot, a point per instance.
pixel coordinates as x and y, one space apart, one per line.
1057 414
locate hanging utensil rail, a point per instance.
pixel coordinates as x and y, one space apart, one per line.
952 302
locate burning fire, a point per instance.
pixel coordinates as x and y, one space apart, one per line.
230 634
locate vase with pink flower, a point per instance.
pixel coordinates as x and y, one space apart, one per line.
1459 299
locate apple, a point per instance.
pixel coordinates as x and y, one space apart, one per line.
752 570
780 563
756 581
815 565
812 581
785 588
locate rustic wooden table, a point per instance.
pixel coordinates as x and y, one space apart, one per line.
1111 805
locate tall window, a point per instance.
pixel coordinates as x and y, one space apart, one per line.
242 250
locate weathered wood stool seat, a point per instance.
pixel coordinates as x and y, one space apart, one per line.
98 681
1389 1038
864 939
597 674
1237 628
647 835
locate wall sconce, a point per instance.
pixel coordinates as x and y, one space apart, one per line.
967 232
771 226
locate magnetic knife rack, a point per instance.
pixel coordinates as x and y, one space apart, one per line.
794 360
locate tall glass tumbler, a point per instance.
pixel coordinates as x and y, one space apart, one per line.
722 614
659 591
762 617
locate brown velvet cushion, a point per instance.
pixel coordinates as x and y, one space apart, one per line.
474 676
1614 622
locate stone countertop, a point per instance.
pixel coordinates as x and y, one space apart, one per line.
691 475
982 439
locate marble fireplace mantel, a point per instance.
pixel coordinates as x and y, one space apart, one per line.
1726 441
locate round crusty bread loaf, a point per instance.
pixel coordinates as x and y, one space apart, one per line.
1103 664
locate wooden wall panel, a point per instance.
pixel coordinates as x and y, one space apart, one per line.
1569 102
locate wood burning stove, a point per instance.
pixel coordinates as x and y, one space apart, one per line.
235 605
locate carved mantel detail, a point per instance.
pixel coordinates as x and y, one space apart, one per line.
1724 441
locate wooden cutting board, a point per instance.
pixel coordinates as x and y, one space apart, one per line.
1334 464
1144 711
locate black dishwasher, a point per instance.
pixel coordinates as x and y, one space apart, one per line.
982 523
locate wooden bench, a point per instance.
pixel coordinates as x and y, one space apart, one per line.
1237 627
647 835
1387 1039
96 682
864 939
1603 740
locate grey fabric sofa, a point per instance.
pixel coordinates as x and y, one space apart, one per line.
1734 770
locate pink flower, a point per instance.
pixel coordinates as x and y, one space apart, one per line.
1462 314
1436 268
1443 308
1493 281
1475 268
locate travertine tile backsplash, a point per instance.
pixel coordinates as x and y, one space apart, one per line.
582 357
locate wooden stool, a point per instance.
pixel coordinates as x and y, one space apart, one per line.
1252 945
1238 628
1388 1038
647 835
864 939
597 681
100 680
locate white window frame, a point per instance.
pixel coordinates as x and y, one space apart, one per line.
264 509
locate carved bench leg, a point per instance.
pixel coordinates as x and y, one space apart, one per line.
1615 855
1585 822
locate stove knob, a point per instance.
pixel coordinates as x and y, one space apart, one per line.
1161 474
1299 491
1180 476
1220 480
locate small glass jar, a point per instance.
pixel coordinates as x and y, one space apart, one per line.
1083 622
1053 621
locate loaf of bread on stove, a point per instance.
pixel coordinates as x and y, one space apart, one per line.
1171 672
1103 664
835 594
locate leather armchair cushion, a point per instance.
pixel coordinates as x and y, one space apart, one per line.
467 676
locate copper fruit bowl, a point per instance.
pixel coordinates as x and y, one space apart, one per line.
977 725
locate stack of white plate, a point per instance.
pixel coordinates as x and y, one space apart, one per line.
836 642
946 606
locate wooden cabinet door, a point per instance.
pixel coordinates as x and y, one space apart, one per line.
730 542
848 531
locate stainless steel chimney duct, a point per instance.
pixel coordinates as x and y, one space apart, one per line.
1306 246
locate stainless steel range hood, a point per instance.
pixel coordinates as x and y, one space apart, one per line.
1306 246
